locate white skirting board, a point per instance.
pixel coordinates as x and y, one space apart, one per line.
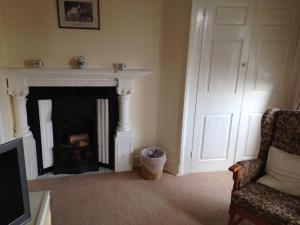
172 167
45 112
103 130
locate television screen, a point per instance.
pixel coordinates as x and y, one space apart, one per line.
14 204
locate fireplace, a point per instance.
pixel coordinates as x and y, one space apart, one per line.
73 127
115 96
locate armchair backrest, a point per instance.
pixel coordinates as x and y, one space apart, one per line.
280 128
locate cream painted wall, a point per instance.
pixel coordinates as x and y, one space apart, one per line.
296 70
130 33
142 33
176 19
1 40
6 126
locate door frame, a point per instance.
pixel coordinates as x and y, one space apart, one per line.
191 85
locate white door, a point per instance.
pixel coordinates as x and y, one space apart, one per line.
221 79
269 69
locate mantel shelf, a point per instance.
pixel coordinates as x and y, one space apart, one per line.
70 72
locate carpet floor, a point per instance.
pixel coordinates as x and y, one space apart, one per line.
125 198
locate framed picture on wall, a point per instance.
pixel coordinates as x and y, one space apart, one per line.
78 14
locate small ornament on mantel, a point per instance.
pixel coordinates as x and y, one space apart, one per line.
81 61
119 66
37 63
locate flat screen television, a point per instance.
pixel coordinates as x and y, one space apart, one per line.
14 200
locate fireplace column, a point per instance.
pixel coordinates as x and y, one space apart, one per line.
21 125
22 131
123 139
124 95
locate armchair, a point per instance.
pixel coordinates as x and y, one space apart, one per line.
257 202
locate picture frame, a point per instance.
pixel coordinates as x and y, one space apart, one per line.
78 14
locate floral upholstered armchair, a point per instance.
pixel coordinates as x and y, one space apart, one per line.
257 202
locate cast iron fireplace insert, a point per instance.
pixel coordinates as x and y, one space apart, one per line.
73 115
72 119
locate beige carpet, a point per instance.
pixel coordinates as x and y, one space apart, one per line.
125 198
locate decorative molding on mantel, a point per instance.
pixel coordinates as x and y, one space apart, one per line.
40 82
20 79
89 72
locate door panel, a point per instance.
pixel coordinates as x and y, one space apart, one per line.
271 61
224 68
277 16
252 134
269 69
225 48
215 136
230 15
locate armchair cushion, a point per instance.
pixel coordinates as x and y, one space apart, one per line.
273 206
250 170
282 172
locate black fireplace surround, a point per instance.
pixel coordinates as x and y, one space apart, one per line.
74 112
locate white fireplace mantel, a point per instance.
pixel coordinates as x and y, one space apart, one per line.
20 79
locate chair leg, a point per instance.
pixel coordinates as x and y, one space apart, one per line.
234 218
231 220
231 215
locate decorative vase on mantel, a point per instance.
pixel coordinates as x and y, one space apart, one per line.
81 62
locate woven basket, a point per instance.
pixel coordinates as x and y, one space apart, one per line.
153 160
148 175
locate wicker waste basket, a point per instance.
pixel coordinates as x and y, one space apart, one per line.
153 160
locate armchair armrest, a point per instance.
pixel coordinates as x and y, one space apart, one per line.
246 171
236 175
